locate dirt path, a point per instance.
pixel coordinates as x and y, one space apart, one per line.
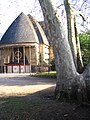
16 86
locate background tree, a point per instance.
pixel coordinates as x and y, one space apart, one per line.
85 46
73 35
71 29
69 84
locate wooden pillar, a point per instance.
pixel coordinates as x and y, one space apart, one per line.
30 58
4 61
24 58
8 56
37 49
12 54
37 57
18 55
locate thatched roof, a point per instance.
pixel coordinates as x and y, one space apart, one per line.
39 30
20 31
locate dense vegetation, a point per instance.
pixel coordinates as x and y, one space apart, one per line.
85 46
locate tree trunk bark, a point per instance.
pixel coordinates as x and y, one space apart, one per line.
71 29
73 36
69 82
79 56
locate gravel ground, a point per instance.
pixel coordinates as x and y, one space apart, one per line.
14 85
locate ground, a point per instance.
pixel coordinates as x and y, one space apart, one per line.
32 98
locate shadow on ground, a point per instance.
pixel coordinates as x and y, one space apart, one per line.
16 86
41 106
23 81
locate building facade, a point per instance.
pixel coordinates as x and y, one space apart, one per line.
24 47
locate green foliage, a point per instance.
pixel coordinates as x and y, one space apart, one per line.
51 74
85 46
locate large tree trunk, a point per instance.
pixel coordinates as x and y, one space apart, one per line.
67 76
73 35
71 29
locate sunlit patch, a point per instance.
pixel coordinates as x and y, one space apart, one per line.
22 90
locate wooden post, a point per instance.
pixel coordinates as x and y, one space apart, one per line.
8 56
12 54
24 58
37 49
18 54
4 62
30 58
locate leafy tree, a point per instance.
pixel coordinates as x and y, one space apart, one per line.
85 46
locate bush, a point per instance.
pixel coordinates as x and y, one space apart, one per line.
85 46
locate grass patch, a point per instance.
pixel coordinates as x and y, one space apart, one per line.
20 109
51 74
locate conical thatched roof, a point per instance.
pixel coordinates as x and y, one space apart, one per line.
39 30
20 31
